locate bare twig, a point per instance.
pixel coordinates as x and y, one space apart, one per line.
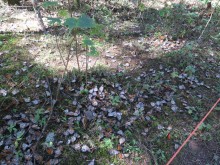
87 60
69 8
210 18
39 16
61 56
206 26
15 7
137 136
69 54
77 56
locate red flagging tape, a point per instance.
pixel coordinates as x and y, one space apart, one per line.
193 132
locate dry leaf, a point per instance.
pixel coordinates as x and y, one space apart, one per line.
85 122
49 151
168 136
120 156
162 37
8 76
121 140
119 147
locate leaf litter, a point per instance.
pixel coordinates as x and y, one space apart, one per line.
108 101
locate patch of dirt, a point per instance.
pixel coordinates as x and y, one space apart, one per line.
18 20
199 152
126 53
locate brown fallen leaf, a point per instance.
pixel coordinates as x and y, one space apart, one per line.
5 153
49 108
85 122
162 37
8 76
120 156
119 147
49 151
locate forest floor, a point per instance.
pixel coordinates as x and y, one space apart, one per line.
151 84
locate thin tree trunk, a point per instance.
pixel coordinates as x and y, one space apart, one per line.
69 9
87 60
77 56
38 14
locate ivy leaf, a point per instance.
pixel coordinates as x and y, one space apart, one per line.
52 21
217 108
16 144
204 1
162 13
97 30
63 13
174 74
190 70
141 7
49 4
88 42
71 23
19 135
93 52
85 22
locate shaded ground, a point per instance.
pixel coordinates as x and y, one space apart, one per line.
206 144
145 85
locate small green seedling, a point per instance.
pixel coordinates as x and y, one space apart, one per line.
84 92
204 126
107 143
174 74
115 100
11 127
190 70
39 118
18 138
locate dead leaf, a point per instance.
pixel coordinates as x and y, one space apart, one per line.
121 140
120 156
113 152
85 148
3 92
85 122
168 136
119 147
49 151
162 37
8 76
